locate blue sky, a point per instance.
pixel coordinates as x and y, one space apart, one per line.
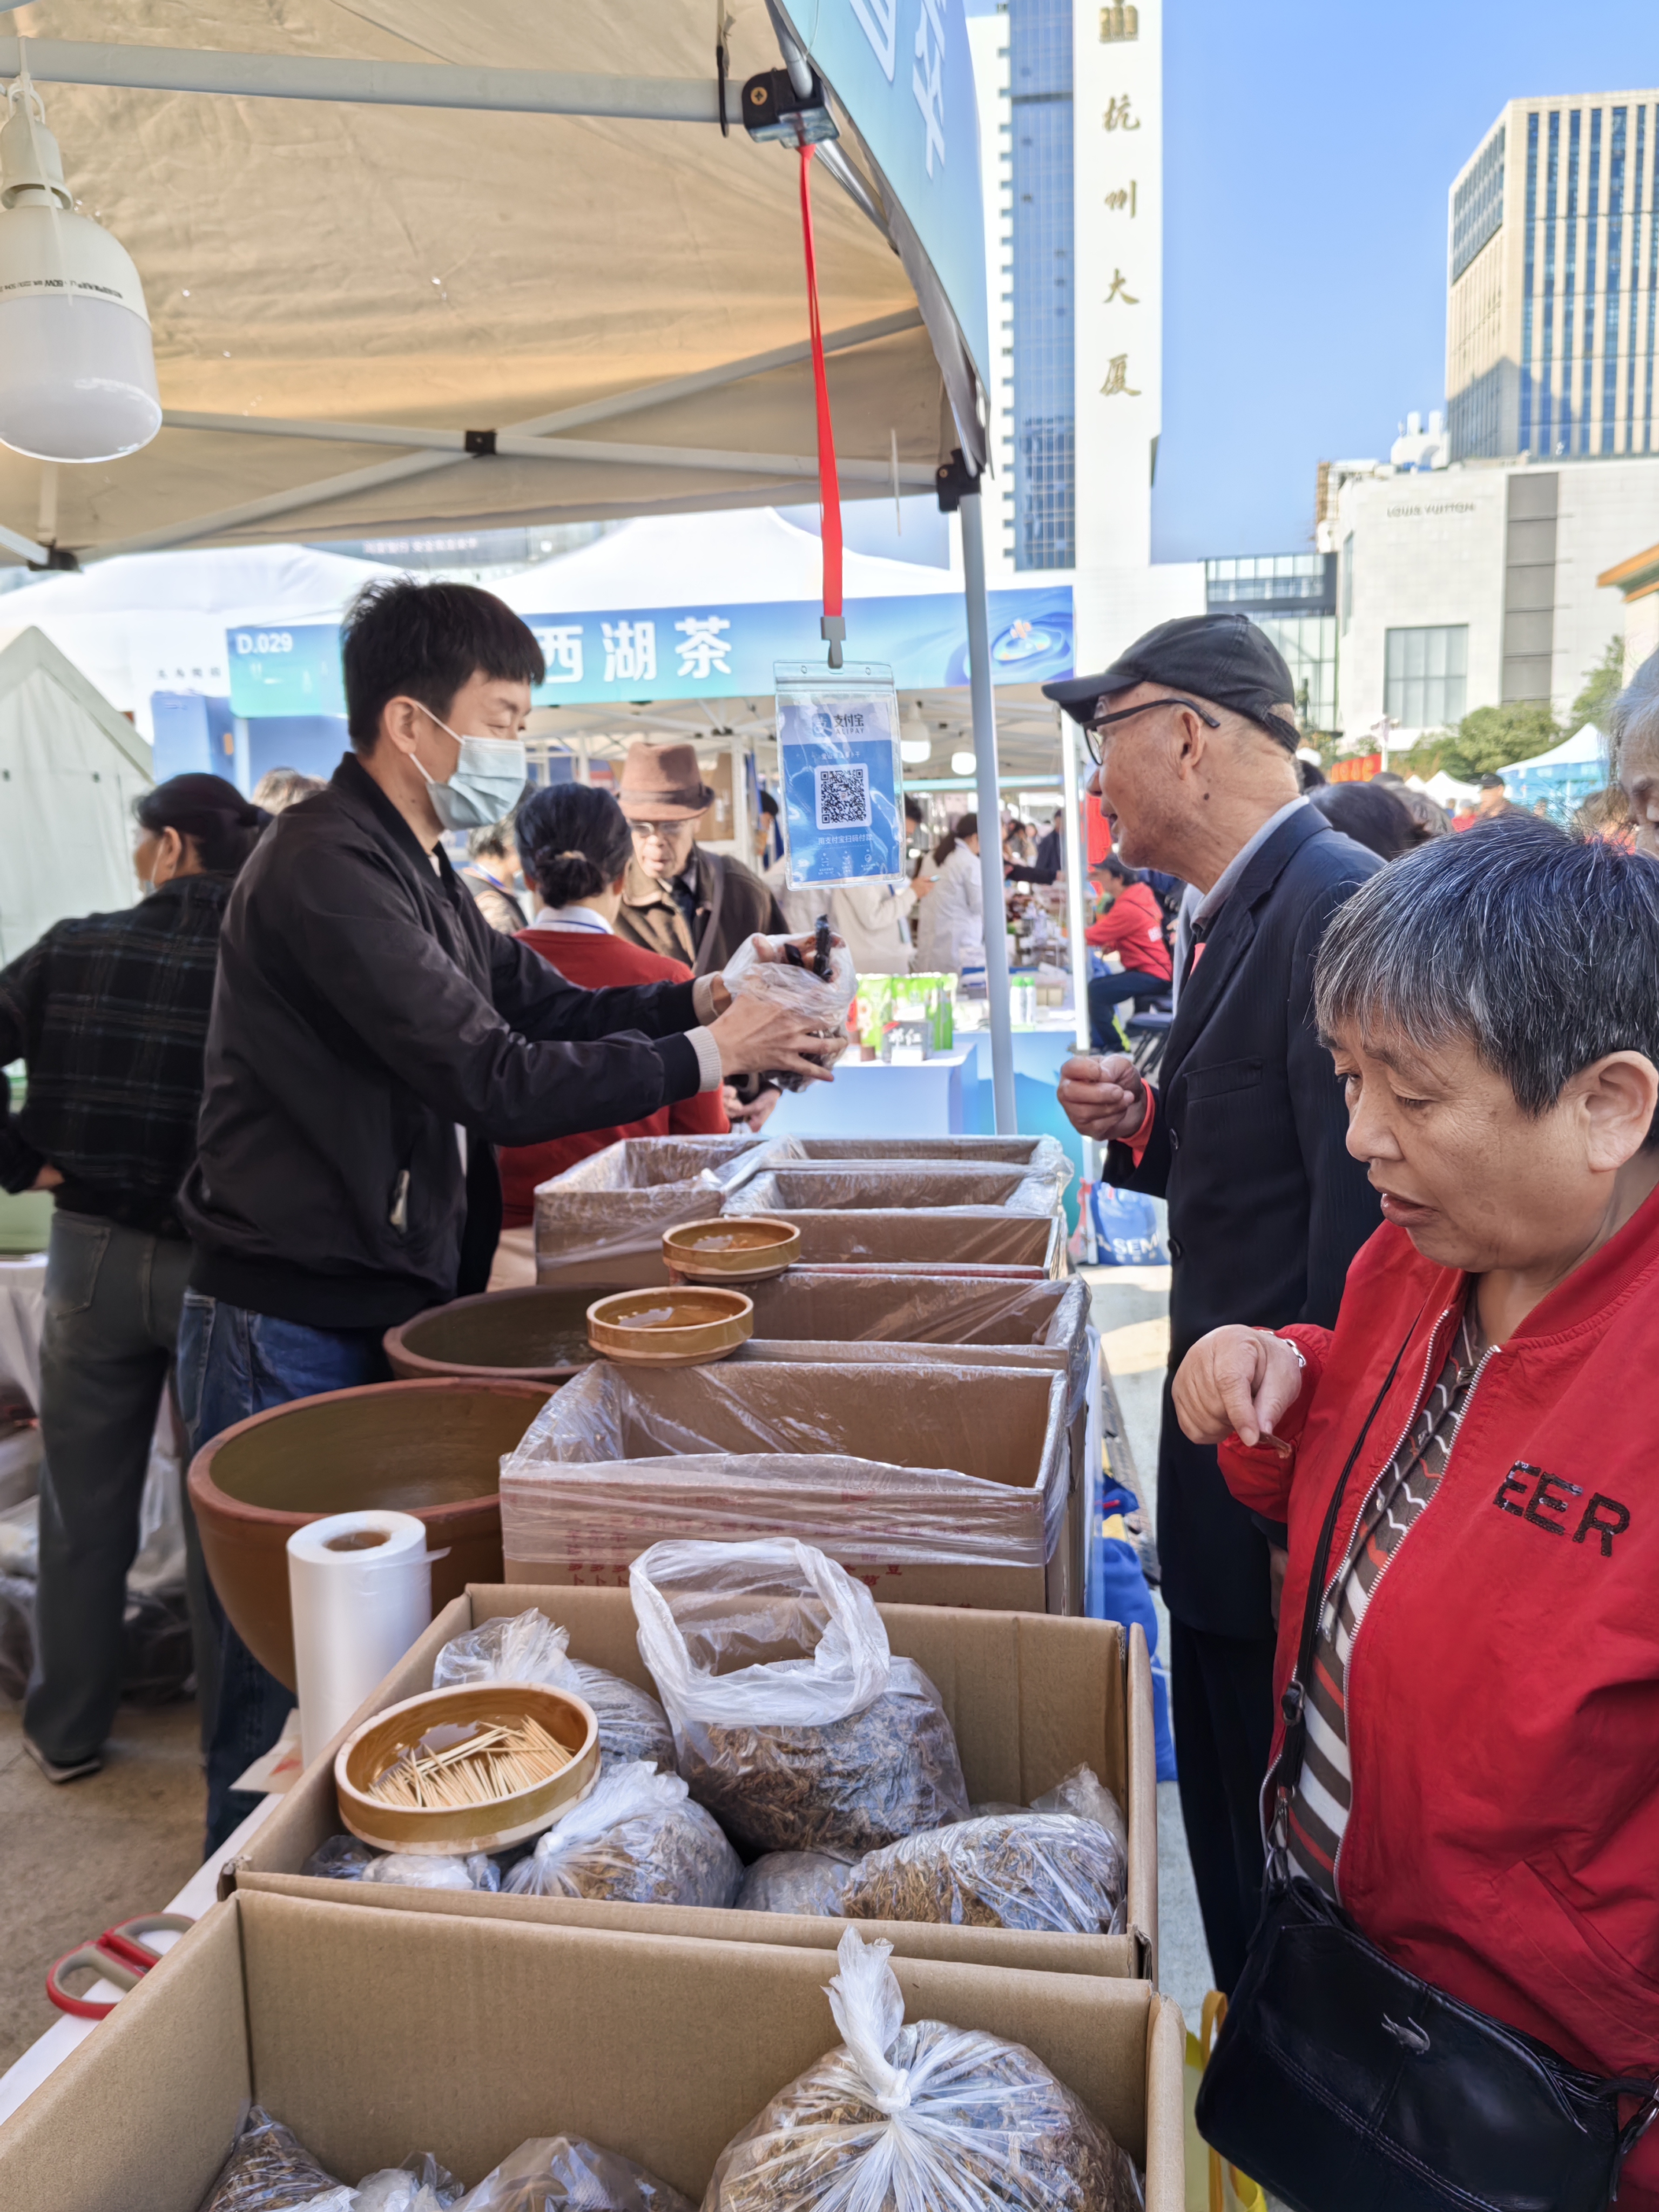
1309 145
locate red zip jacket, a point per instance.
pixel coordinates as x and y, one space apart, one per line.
1503 1690
594 958
1133 926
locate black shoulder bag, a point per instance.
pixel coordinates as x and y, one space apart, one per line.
1342 2083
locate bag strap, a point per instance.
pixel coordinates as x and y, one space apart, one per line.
1294 1703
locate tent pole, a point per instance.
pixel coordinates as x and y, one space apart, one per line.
990 809
1076 922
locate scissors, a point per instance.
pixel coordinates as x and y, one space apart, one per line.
118 1956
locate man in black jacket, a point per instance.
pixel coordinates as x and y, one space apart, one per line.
373 1039
1245 1135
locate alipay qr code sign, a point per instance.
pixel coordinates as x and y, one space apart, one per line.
838 760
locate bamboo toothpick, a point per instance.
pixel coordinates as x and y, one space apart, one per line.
498 1761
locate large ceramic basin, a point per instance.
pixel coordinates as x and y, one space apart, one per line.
539 1334
432 1449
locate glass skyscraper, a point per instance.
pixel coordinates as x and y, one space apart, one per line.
1553 273
1044 284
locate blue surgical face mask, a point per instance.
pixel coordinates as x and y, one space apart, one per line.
488 780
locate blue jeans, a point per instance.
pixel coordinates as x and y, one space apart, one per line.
1108 991
233 1364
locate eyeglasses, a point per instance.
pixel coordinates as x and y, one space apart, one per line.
1105 722
668 831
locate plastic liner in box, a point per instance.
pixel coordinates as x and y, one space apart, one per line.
966 1239
808 1305
620 1201
1037 1156
725 1453
907 1185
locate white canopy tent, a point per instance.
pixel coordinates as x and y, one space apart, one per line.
408 268
70 768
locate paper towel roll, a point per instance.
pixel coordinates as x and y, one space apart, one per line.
359 1585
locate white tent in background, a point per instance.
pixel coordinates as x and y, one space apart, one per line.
70 768
1585 749
156 622
1446 791
735 556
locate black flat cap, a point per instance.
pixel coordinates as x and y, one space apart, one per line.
1225 658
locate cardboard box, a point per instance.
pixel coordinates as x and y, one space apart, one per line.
811 1186
948 1484
967 1239
372 2035
1028 1696
1039 1154
602 1221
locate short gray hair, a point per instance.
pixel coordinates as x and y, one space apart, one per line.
492 841
1636 713
1541 949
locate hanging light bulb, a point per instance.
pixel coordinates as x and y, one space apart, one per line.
914 743
963 764
77 371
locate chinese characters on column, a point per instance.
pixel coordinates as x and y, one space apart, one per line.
1118 23
1123 200
1117 379
1118 116
1120 290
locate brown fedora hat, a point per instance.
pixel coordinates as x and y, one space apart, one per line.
662 783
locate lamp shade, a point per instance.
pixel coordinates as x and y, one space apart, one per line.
77 370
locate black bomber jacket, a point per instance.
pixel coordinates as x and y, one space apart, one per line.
365 1015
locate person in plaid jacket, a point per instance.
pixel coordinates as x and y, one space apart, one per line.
109 1014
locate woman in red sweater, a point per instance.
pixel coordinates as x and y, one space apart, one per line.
573 848
1468 1770
1132 926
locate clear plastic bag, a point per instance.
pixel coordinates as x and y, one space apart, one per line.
1084 1793
792 1722
528 1647
922 2118
1037 1871
821 1001
637 1839
567 2173
418 1870
620 1201
342 1858
419 2185
797 1881
269 2170
902 1184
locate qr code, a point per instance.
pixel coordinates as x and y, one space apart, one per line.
843 797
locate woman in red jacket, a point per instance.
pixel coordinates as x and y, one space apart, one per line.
573 848
1130 924
1478 1722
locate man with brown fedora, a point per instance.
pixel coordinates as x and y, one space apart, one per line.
679 899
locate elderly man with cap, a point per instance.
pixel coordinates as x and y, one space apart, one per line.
1244 1133
682 901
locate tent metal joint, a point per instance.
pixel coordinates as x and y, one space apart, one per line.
479 441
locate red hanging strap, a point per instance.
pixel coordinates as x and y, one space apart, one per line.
828 482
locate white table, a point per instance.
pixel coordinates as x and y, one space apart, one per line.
49 2052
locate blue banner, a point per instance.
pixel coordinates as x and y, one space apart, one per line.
902 70
694 651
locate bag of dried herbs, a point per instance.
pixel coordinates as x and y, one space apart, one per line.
1037 1871
527 1647
567 2173
792 1722
917 2118
637 1839
797 1881
269 2170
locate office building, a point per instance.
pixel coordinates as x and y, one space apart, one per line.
1478 585
1553 274
1292 597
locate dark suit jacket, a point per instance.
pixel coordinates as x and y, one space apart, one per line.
1266 1205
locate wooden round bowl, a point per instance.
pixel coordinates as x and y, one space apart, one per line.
430 1448
379 1743
538 1333
736 1249
678 1325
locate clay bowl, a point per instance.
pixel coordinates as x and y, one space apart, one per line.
735 1248
531 1333
379 1743
430 1448
685 1325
